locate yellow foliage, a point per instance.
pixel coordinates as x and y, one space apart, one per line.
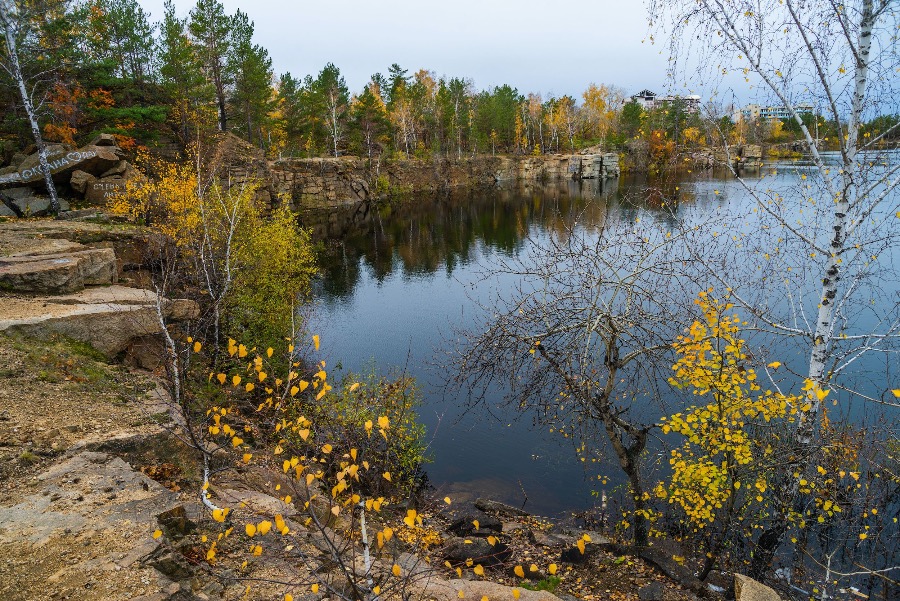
719 455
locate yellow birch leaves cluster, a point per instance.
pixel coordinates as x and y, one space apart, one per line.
720 453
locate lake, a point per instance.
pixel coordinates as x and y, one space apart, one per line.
400 279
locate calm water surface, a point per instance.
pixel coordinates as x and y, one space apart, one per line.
399 280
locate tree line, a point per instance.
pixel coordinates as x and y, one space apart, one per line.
105 65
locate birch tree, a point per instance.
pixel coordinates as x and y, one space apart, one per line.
15 30
829 240
815 267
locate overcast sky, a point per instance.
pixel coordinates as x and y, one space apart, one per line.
533 45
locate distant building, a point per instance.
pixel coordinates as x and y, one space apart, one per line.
752 112
645 98
649 100
691 104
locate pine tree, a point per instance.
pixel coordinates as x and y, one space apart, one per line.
211 27
181 76
250 69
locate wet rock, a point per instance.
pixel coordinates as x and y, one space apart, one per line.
654 591
499 508
546 539
457 550
465 525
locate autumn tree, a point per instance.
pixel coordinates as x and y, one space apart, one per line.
599 109
825 241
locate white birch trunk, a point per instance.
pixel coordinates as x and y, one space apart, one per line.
824 330
9 21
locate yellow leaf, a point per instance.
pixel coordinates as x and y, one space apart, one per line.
304 434
315 587
476 524
221 378
896 392
396 570
387 476
461 594
269 352
247 457
326 448
354 386
157 533
479 571
492 540
368 426
262 376
316 341
775 364
580 545
289 597
287 501
235 381
519 571
516 594
533 568
410 519
219 514
242 351
447 500
264 527
249 387
336 510
197 347
863 536
294 390
250 529
383 422
552 569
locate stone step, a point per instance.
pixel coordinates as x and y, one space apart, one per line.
58 273
108 318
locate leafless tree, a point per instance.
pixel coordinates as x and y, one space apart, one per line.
584 340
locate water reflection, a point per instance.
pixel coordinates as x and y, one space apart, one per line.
440 233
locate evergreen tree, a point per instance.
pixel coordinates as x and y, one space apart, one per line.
250 69
369 118
181 76
330 99
210 27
